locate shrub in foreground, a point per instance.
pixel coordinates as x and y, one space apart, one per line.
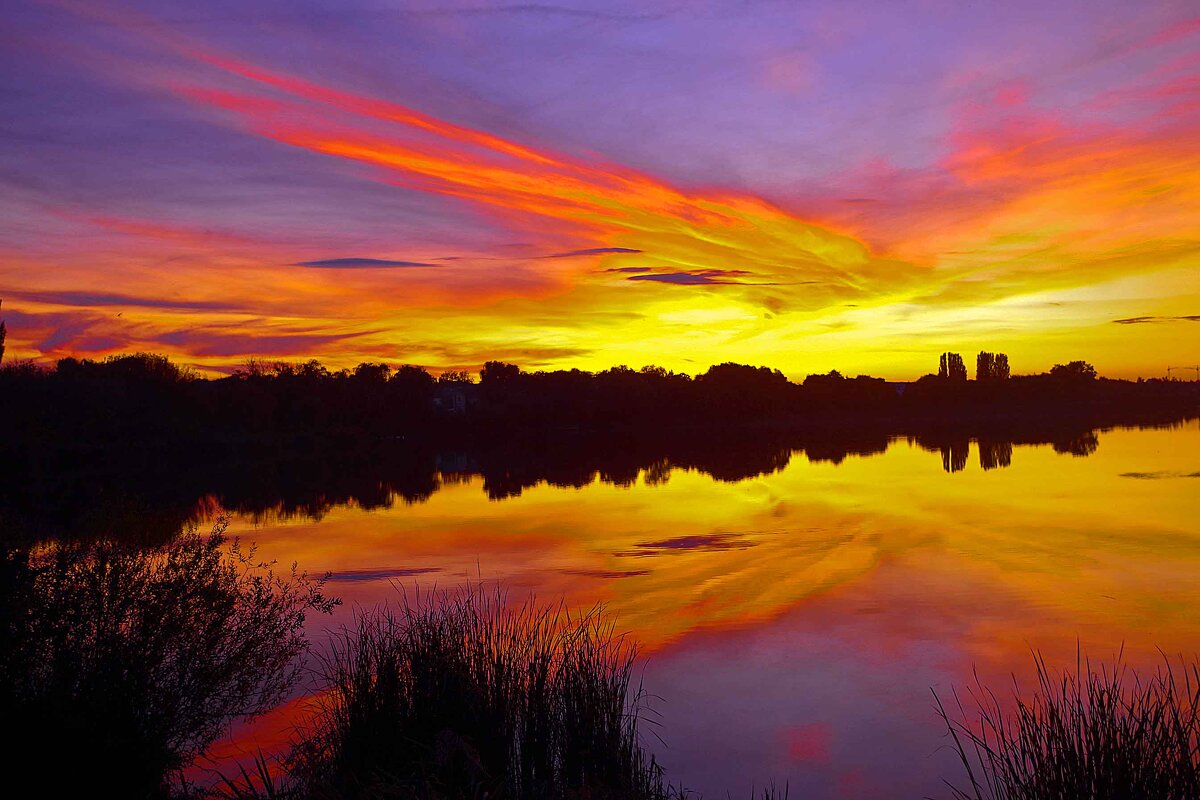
1104 733
119 666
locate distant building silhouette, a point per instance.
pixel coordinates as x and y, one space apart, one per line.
454 397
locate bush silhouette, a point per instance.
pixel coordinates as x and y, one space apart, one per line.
126 664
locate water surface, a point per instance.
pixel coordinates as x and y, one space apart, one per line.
795 622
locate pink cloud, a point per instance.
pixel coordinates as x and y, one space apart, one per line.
1012 93
1167 35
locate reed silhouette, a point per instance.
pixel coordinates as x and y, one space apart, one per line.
462 694
1101 732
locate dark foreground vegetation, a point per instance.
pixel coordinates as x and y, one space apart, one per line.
461 695
1098 733
120 666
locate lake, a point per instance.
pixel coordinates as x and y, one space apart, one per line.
795 621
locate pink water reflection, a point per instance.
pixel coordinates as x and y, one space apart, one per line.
795 623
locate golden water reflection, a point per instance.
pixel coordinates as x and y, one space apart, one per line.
770 592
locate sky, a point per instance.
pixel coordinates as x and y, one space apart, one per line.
805 185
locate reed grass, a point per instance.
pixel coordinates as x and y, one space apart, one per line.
456 695
1101 732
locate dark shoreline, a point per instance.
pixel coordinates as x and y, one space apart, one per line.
149 491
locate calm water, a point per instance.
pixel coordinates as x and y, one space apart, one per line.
795 622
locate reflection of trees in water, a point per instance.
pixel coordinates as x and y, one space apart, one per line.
955 455
954 449
508 472
658 473
135 498
836 452
1082 445
996 447
994 454
140 501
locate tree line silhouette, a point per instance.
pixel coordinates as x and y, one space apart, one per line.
141 398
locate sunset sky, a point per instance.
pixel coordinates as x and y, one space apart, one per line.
806 185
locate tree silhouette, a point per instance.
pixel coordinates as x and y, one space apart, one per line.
952 367
984 363
991 367
373 373
1001 370
411 388
498 372
1074 371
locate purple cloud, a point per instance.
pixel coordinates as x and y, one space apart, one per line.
1141 320
360 263
90 299
700 277
200 342
603 573
365 575
697 542
593 251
